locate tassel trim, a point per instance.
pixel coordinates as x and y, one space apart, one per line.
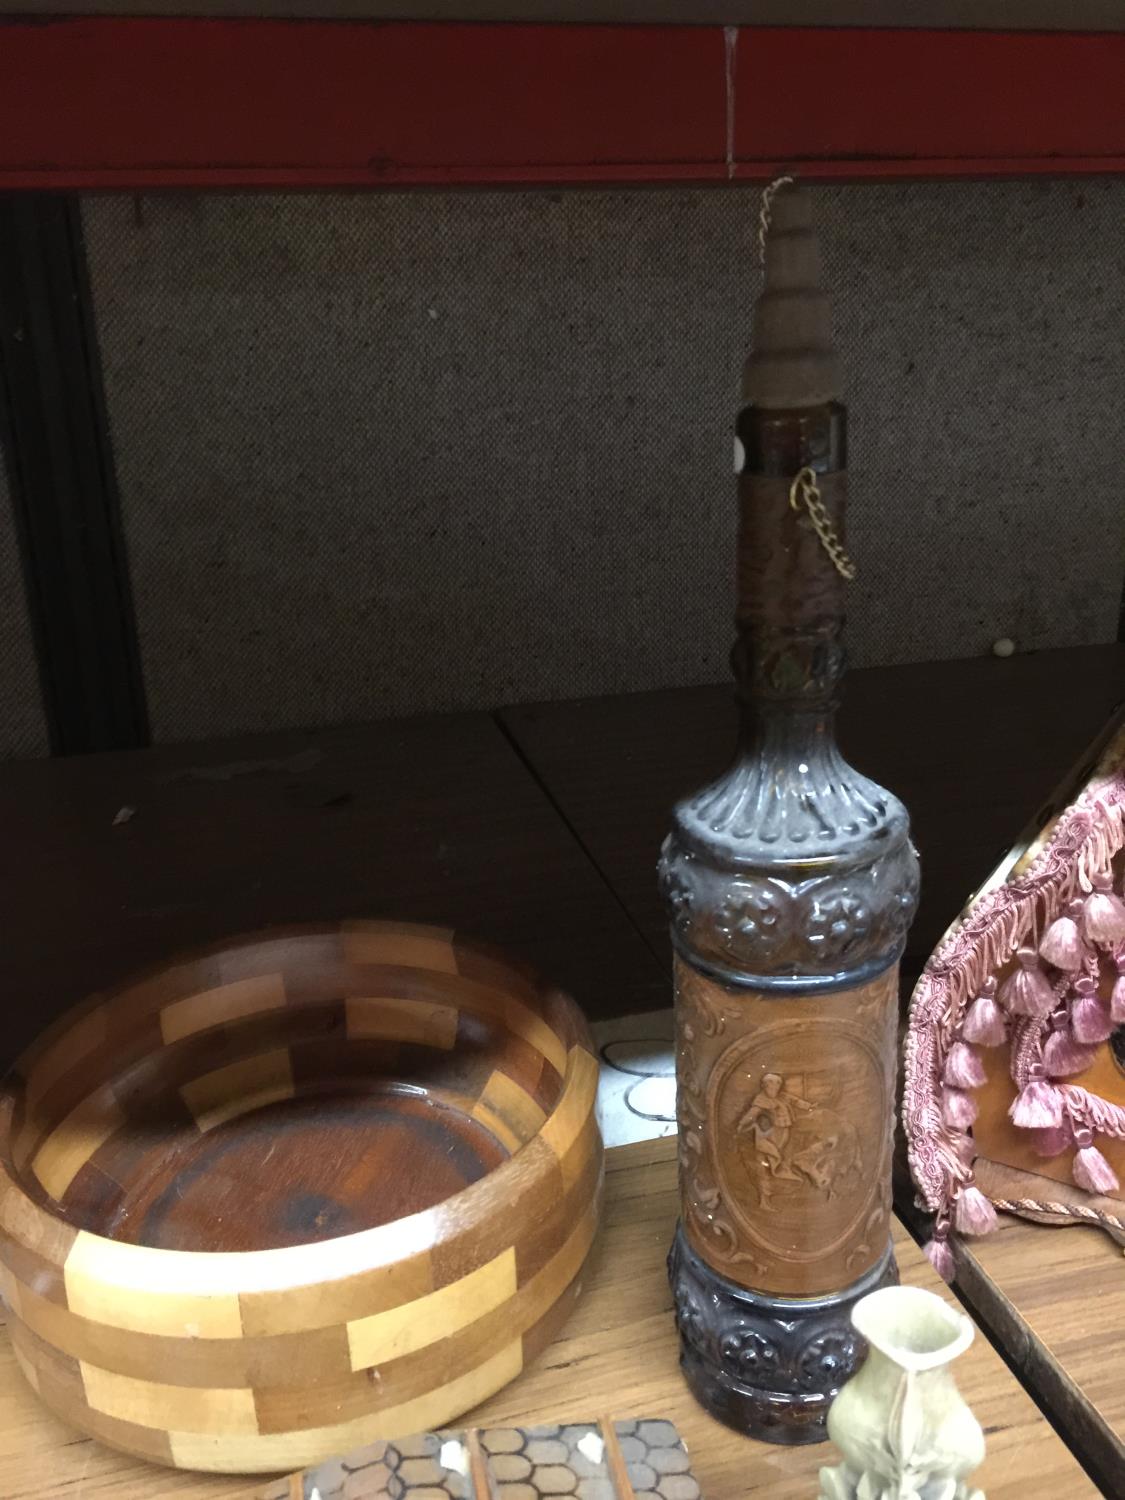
1074 865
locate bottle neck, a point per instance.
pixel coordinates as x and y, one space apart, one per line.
788 658
782 730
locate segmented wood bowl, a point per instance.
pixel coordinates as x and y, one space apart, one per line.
296 1193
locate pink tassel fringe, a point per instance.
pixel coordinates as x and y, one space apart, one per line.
1117 1001
965 1147
958 1109
1104 915
984 1022
1077 859
1090 1020
1063 1057
1052 1142
1062 943
940 1256
963 1068
972 1212
1037 1104
1091 1171
1027 991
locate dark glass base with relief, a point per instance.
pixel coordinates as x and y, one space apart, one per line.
769 1368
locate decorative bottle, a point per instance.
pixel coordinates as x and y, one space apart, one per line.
791 882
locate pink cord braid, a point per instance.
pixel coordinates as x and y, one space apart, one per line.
1100 1116
1081 847
1027 1049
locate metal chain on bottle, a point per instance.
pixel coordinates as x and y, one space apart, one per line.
805 491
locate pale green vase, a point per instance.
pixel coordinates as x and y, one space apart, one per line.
900 1422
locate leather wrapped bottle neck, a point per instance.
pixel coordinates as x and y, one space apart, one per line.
791 608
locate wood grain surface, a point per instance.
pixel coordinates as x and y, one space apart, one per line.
437 820
282 1189
971 747
617 1355
1055 1298
427 820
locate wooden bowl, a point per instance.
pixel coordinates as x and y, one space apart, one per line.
295 1193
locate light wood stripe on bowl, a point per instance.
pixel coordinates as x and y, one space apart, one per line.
386 1019
505 1100
230 1002
398 943
66 1150
135 1288
149 1403
268 1452
238 1088
384 1336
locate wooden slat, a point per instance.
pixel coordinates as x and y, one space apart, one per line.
925 97
1007 15
173 102
1057 1296
972 748
617 1354
431 819
206 101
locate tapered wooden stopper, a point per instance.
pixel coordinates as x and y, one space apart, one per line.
793 362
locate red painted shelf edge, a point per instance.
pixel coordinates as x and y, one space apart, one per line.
277 179
145 104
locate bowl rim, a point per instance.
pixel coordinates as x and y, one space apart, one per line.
468 1205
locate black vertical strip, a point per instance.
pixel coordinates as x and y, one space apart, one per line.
60 466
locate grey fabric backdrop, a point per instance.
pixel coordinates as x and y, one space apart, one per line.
386 453
23 730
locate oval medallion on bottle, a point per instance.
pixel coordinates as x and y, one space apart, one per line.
796 1154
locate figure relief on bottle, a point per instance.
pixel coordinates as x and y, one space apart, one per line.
796 1142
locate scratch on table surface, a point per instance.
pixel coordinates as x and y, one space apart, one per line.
290 765
81 1485
730 45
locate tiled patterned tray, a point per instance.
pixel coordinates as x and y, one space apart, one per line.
643 1459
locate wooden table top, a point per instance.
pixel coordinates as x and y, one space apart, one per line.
1055 1297
433 819
971 747
617 1356
540 832
547 846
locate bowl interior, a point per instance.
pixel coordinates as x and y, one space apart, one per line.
287 1090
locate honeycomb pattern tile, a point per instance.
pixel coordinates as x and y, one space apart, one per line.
631 1460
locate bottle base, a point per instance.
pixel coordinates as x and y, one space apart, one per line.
768 1367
